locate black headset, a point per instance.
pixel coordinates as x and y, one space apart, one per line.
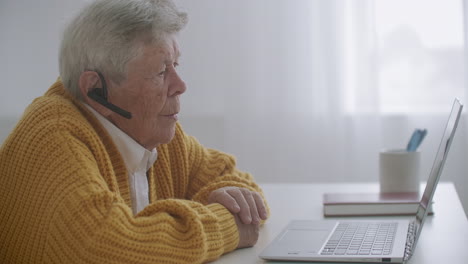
100 96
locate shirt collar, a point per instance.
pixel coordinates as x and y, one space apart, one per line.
135 156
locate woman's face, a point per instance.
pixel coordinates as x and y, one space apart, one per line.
151 93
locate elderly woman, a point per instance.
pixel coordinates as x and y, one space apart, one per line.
99 171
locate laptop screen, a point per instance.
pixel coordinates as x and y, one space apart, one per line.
438 165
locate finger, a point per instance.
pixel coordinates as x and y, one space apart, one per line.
260 205
227 201
244 212
252 205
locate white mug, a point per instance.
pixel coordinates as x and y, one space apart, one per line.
399 171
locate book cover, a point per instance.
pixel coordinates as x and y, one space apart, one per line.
371 204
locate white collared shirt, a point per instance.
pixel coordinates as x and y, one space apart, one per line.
138 160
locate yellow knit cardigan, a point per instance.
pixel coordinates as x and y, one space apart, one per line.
64 194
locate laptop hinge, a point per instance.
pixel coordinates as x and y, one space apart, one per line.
412 231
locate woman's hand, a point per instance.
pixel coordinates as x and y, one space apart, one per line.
247 204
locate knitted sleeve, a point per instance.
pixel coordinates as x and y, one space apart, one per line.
92 224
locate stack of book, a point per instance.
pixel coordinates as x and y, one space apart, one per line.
371 204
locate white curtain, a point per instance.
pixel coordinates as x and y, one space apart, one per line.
312 90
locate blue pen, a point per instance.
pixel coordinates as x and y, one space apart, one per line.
416 139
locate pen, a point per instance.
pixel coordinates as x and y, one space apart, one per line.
416 139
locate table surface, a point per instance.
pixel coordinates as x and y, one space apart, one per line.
444 238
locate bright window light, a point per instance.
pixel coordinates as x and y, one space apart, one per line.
420 57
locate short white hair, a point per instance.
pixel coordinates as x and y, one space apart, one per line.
107 34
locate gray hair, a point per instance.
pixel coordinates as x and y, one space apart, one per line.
107 34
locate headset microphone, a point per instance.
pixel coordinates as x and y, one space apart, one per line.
100 96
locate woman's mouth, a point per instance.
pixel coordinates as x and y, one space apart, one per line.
172 116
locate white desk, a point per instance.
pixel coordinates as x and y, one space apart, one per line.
444 238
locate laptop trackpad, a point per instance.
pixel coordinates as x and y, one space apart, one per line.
304 240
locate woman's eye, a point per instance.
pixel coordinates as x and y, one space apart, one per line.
162 73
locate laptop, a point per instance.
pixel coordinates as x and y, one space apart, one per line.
384 240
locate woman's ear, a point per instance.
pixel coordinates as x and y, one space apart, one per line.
90 80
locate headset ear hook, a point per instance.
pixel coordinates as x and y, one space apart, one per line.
103 91
100 96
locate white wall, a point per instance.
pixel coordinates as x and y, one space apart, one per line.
216 55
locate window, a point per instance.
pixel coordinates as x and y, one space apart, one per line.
420 54
404 56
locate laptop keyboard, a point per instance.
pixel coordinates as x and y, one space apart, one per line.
361 239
